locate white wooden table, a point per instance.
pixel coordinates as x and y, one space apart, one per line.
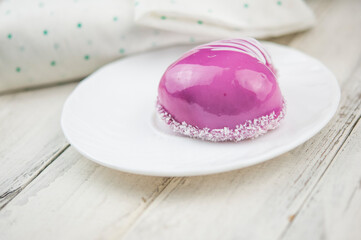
49 191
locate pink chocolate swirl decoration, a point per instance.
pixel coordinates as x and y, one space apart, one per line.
222 91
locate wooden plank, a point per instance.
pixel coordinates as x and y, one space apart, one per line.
333 211
30 136
335 39
258 202
75 198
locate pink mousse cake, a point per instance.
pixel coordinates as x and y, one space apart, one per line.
222 91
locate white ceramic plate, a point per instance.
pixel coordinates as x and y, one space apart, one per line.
110 117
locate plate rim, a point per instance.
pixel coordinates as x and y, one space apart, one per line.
218 169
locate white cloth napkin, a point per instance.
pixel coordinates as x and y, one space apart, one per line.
226 18
51 41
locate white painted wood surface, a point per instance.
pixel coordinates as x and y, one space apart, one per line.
49 191
76 199
30 136
333 211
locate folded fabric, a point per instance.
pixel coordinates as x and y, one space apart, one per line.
227 18
43 42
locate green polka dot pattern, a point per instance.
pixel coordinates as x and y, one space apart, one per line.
72 38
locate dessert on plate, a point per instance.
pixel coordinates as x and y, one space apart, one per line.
225 90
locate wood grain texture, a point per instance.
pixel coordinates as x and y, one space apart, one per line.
335 39
77 199
30 136
333 211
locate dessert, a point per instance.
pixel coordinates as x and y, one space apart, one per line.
225 90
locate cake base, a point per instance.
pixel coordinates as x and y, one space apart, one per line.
248 130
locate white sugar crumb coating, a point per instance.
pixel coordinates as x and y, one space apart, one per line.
249 130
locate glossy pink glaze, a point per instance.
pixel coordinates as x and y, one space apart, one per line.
221 84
